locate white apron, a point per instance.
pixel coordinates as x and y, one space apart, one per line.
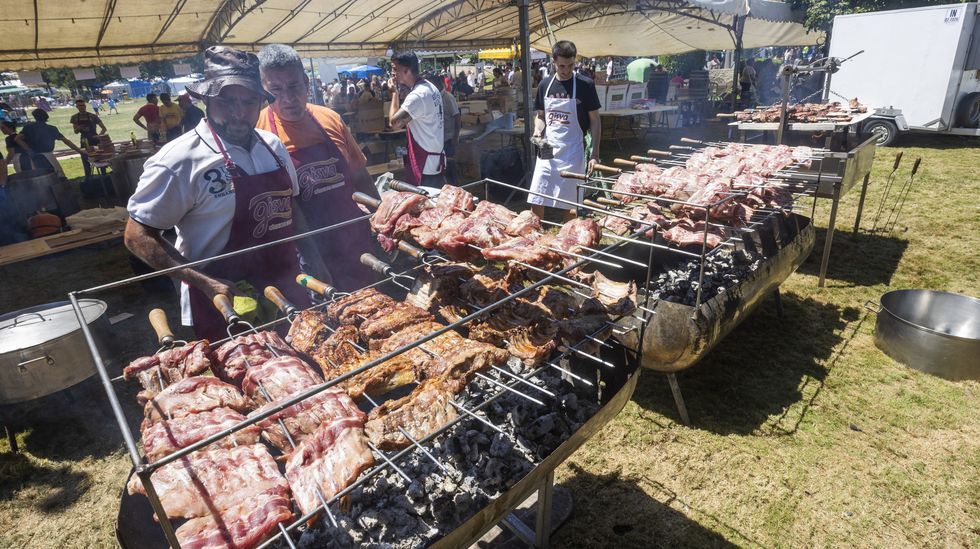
564 133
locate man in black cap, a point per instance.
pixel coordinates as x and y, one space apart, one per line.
224 186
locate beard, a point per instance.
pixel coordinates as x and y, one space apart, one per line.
237 132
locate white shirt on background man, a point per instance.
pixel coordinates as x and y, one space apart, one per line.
424 104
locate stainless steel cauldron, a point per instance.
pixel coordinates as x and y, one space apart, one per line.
934 332
43 350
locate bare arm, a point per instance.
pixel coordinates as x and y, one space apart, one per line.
595 128
539 125
148 245
136 118
22 143
400 119
101 125
71 145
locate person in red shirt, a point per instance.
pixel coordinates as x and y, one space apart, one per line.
329 165
151 114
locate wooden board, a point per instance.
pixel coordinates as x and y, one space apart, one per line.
40 247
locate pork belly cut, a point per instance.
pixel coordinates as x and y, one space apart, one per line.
532 250
337 351
192 395
307 331
354 308
230 361
168 366
279 377
327 461
166 436
618 298
455 198
303 418
438 284
386 321
248 524
420 413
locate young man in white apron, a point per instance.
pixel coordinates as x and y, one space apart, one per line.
567 106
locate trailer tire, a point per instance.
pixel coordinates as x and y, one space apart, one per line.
968 111
885 130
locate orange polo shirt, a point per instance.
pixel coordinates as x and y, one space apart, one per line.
296 135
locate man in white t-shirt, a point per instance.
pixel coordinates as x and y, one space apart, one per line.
224 186
421 115
451 126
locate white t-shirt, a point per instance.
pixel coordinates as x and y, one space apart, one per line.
510 77
449 110
187 186
424 104
470 80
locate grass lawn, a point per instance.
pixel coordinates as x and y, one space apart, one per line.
803 433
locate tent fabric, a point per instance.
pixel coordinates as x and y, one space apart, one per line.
360 71
98 33
636 68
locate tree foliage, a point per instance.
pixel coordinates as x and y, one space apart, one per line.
683 63
819 14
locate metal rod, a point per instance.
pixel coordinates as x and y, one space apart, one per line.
286 536
570 374
473 414
511 389
524 381
397 469
592 259
423 450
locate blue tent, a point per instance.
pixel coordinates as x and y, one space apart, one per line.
139 88
360 71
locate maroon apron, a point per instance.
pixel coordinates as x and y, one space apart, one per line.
263 213
417 156
325 191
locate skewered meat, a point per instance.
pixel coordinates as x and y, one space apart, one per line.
391 374
581 232
353 308
166 436
246 525
388 320
394 205
574 330
192 395
529 342
477 231
303 418
230 361
412 334
615 224
489 285
213 479
619 298
458 363
455 198
556 303
525 224
436 224
687 233
422 412
170 366
327 461
307 331
337 351
438 284
532 250
278 378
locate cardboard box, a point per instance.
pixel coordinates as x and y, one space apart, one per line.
475 119
502 103
473 106
637 92
617 97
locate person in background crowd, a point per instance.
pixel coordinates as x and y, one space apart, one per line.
37 140
714 63
481 80
376 86
191 115
747 79
510 75
42 103
447 82
566 108
463 86
535 78
89 127
451 125
224 186
329 165
609 69
470 79
96 106
17 155
150 113
111 106
499 80
170 114
421 116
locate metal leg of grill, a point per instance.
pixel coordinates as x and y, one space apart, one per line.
829 240
545 493
675 389
864 191
779 302
11 438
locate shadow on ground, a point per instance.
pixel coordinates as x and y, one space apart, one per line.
863 260
622 514
759 370
60 487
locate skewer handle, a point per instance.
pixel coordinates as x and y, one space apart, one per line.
680 148
224 305
624 163
607 169
638 159
401 186
413 251
375 264
655 152
727 114
691 141
608 201
898 160
573 175
317 286
367 200
594 204
275 296
915 167
158 320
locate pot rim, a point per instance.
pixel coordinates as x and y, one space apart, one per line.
881 303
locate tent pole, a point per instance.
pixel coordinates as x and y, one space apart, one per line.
524 16
739 24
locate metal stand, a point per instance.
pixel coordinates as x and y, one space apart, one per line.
829 240
543 526
675 389
864 192
11 439
779 302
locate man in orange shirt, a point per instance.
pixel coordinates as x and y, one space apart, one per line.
329 165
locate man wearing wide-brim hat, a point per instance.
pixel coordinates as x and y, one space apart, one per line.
224 186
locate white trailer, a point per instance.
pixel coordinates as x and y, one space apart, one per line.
920 68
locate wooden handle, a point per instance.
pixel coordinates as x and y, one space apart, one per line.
624 163
898 160
915 167
401 186
645 159
224 305
317 286
375 264
367 200
655 152
727 114
158 320
573 175
691 141
413 251
608 201
680 148
607 169
593 204
275 296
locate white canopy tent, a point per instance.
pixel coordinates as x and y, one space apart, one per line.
58 33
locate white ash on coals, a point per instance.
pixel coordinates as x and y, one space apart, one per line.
722 270
482 463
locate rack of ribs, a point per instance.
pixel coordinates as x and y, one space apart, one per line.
420 413
304 417
231 360
170 365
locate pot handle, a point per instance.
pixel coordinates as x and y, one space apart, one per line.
47 359
26 315
872 306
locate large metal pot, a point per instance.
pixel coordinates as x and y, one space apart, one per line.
43 350
31 191
934 332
